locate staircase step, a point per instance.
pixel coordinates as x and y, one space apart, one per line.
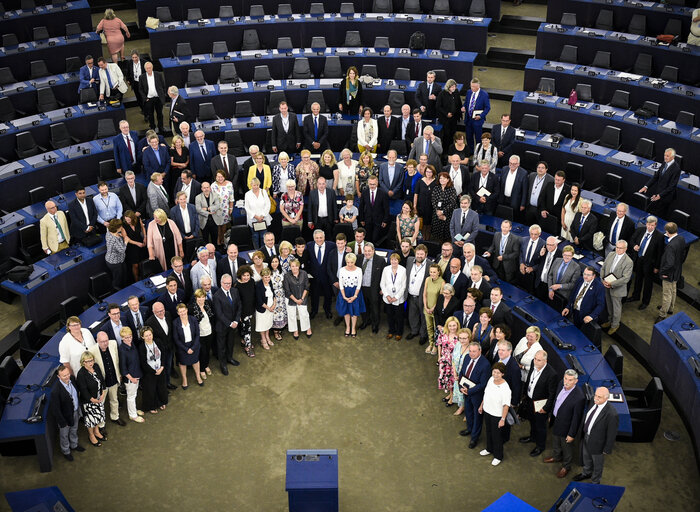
509 58
523 25
500 94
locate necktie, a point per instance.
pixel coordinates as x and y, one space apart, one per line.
561 270
493 308
470 368
203 150
503 133
315 128
318 254
643 245
663 169
464 217
583 219
174 298
529 251
545 270
225 160
228 296
372 198
157 153
209 295
138 320
427 147
59 228
453 279
581 294
613 235
503 244
109 78
589 419
164 192
387 122
472 103
128 146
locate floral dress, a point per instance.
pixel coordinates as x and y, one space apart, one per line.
445 200
279 315
445 377
407 226
292 205
225 192
457 360
285 262
362 175
307 177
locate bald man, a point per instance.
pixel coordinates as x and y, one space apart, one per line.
53 229
599 431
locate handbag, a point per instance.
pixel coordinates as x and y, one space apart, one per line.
152 22
103 38
573 97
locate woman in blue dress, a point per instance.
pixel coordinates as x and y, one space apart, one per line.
483 330
350 303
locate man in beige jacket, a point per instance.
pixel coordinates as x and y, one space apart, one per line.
53 229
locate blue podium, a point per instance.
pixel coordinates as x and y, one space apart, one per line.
38 500
582 497
312 480
509 503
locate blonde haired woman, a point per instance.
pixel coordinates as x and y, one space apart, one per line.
367 132
526 349
261 171
112 28
163 239
328 168
179 154
366 168
344 179
307 173
257 209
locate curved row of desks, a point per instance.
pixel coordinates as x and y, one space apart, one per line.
21 22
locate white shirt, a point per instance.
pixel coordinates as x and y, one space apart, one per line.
322 204
257 205
59 237
595 412
185 219
456 177
137 70
616 225
347 278
151 80
393 285
528 355
187 189
510 181
615 262
533 380
70 349
322 247
163 324
530 249
128 142
649 233
83 206
346 176
187 333
557 192
115 329
483 180
495 397
476 284
416 278
285 122
548 259
467 270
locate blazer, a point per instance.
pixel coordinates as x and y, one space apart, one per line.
484 287
672 258
217 162
665 185
510 253
448 103
331 206
626 231
460 178
514 379
422 275
113 352
226 311
623 273
485 266
61 406
127 200
195 189
145 367
482 103
86 385
160 86
387 133
160 338
442 312
216 209
332 267
260 298
171 307
547 203
603 431
461 285
319 269
128 321
130 72
49 234
505 143
394 185
584 233
434 155
546 387
540 266
530 185
567 422
492 185
480 376
116 76
593 303
122 157
176 215
285 140
502 315
308 133
422 99
223 266
411 131
78 222
200 166
180 110
568 278
179 335
535 256
150 162
86 75
267 257
361 140
378 265
469 227
374 214
655 246
518 194
156 199
459 315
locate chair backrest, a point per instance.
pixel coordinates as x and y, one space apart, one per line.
681 218
610 137
183 50
673 27
69 183
583 92
107 170
284 10
447 44
235 142
652 107
639 201
73 64
315 97
504 212
273 102
261 74
642 66
331 67
530 122
685 118
26 145
40 33
38 194
9 40
381 42
100 286
257 11
284 43
402 74
38 69
441 7
530 160
225 11
194 14
148 268
383 6
290 233
547 86
195 78
88 95
412 7
72 29
645 148
569 19
219 47
669 73
316 9
369 69
569 53
7 110
6 76
477 8
347 8
228 73
638 25
60 138
344 228
251 41
106 128
604 21
440 76
566 128
399 146
27 5
318 42
601 60
612 185
45 99
9 373
352 39
654 393
242 236
243 109
614 358
620 99
206 112
163 14
396 100
301 69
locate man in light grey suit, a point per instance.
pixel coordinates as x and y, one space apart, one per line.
416 272
157 196
391 176
505 249
563 274
618 265
210 213
464 224
427 144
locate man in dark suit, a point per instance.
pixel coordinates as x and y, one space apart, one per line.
671 268
538 401
269 248
372 266
227 307
135 316
551 203
500 311
230 263
512 189
503 137
226 162
513 377
182 276
126 157
374 210
415 127
336 261
454 276
477 282
64 408
428 144
537 182
162 324
184 211
464 224
470 258
416 273
112 324
486 180
477 371
156 158
426 96
467 317
187 185
504 251
201 153
83 216
600 425
133 195
391 176
541 271
476 107
584 226
322 210
286 134
647 245
134 70
152 86
587 299
315 130
319 253
618 227
178 110
567 412
662 185
563 275
531 253
388 127
172 296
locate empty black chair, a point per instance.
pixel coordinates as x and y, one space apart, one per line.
261 74
530 123
673 27
447 44
441 7
195 78
381 43
601 60
685 118
6 76
88 95
639 201
440 76
27 5
30 341
219 47
612 186
105 128
568 18
316 9
645 410
73 29
194 14
610 138
620 99
642 65
530 160
70 183
345 228
477 8
396 100
399 146
402 74
273 102
681 218
149 268
244 239
243 109
100 287
566 129
225 11
301 69
284 43
39 195
433 247
638 25
669 73
257 11
251 41
206 112
284 10
290 233
9 373
40 33
583 92
8 111
651 107
183 50
107 170
504 212
369 69
235 142
383 6
30 244
352 39
315 97
9 40
27 146
318 43
574 173
569 54
412 7
547 86
69 307
46 100
228 73
60 138
163 14
347 9
644 148
614 358
604 21
73 64
38 69
331 67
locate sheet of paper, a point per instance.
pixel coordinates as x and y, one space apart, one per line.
483 192
466 383
539 404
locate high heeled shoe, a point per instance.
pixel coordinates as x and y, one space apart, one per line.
265 345
97 444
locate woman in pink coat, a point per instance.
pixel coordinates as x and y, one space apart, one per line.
163 239
112 28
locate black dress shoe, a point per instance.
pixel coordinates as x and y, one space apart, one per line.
172 386
632 299
642 307
119 422
329 315
375 330
448 404
526 439
79 448
473 443
423 341
338 321
364 326
232 362
465 432
445 399
535 452
312 315
581 476
224 369
411 336
68 457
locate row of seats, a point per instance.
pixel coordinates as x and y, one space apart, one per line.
30 5
441 7
45 102
38 69
637 25
41 34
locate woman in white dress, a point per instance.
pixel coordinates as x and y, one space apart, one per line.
264 307
393 289
569 210
257 209
345 174
367 132
486 151
526 349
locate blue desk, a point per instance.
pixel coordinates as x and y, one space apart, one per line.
623 53
48 497
509 503
657 13
672 97
23 94
21 22
589 121
53 51
593 497
457 65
